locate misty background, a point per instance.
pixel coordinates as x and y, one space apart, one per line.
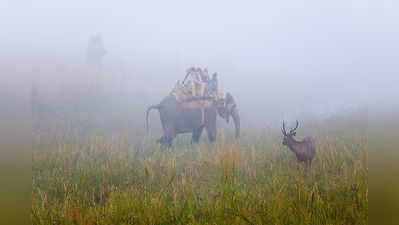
306 60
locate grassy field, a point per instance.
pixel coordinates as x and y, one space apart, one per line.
117 180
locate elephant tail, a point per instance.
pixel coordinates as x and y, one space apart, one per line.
148 112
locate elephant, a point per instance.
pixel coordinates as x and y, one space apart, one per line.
177 119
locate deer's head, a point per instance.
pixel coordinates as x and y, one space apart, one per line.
288 137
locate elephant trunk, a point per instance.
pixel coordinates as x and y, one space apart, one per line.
236 119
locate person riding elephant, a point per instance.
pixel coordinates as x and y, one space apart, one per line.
211 87
196 82
204 75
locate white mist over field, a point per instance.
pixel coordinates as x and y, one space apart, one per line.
280 60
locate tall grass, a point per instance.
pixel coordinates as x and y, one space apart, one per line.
253 181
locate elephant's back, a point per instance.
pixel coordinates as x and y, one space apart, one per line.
170 107
169 101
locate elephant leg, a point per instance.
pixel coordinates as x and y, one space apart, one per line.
169 141
160 140
165 141
196 135
211 131
169 134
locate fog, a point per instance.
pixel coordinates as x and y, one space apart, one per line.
280 60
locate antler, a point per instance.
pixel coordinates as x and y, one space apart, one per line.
293 130
283 129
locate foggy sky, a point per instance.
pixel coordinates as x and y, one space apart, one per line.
285 57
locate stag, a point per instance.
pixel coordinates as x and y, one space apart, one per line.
304 150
